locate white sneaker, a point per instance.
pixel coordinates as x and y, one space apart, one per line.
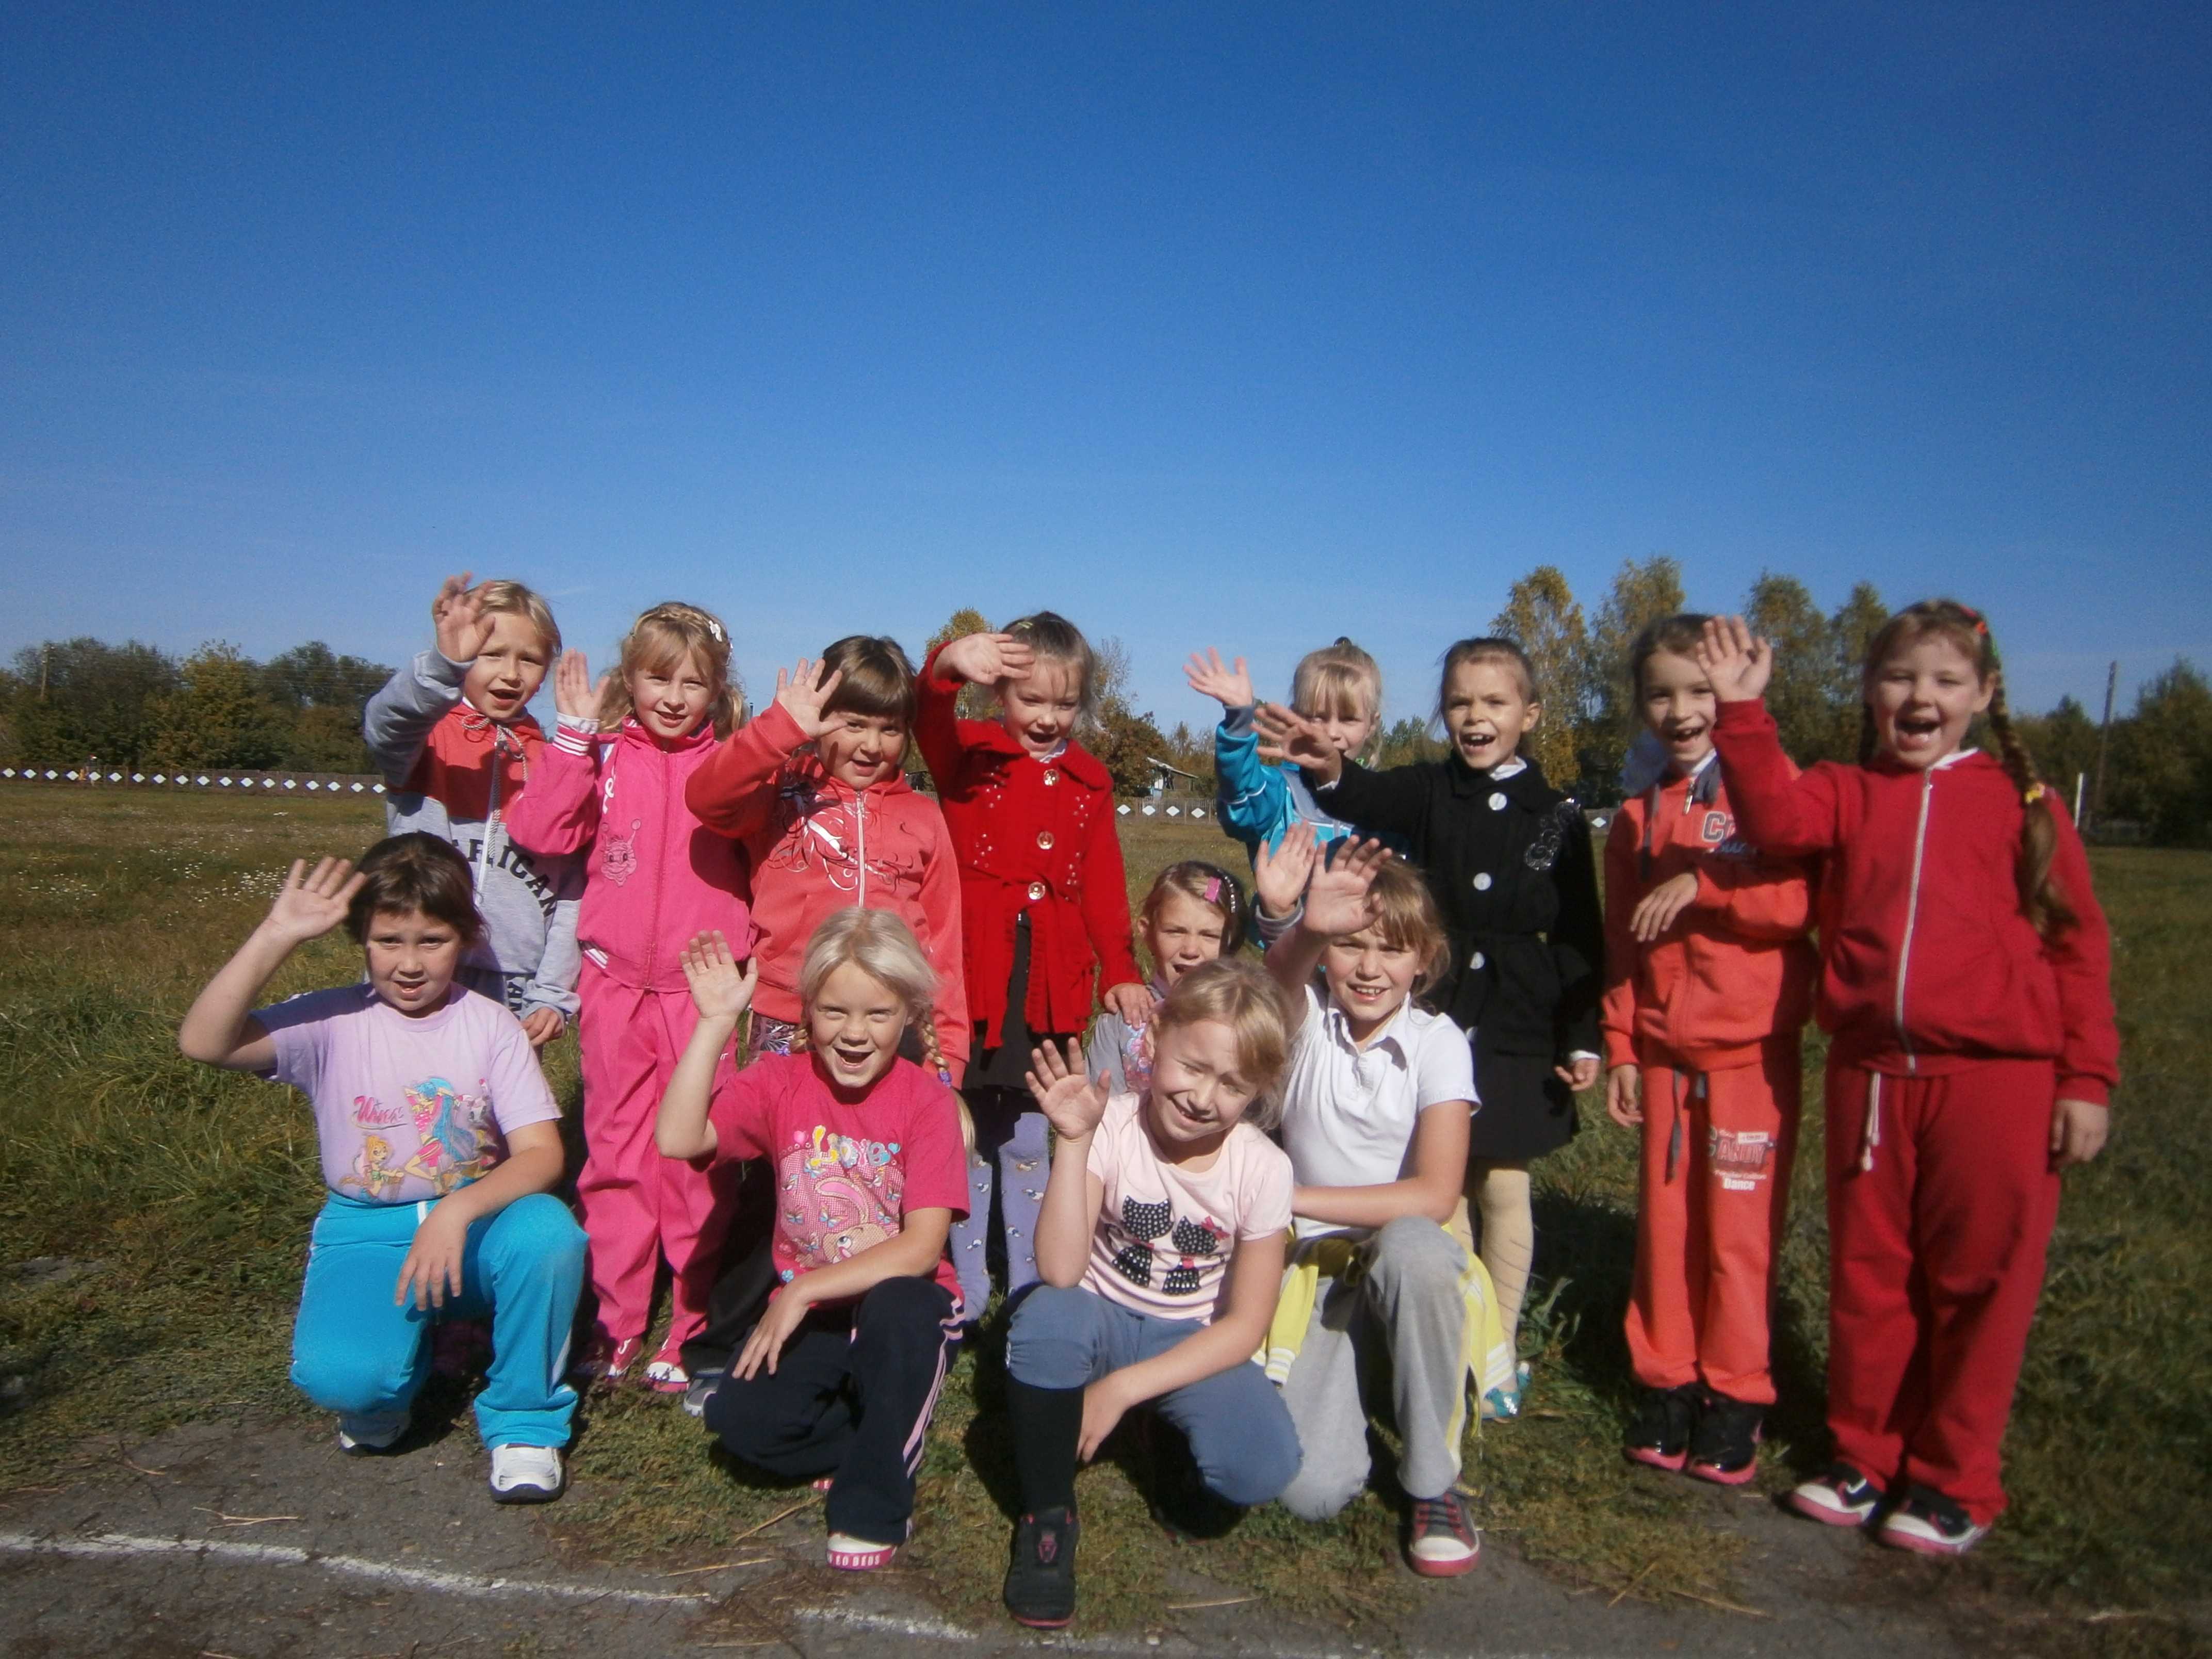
527 1475
370 1431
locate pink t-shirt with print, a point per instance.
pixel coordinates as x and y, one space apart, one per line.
846 1172
407 1108
1165 1233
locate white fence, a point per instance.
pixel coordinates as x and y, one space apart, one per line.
268 784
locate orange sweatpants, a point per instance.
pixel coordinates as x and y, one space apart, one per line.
1717 1147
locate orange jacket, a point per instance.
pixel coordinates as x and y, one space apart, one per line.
1736 966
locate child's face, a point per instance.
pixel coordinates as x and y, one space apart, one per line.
508 671
1486 710
853 1026
410 958
1370 978
1184 933
1678 705
1923 699
1199 1088
859 750
1346 733
670 699
1039 708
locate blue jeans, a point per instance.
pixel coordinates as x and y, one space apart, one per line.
1239 1431
353 1350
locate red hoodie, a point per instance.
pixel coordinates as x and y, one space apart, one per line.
1736 966
1929 963
818 845
1034 836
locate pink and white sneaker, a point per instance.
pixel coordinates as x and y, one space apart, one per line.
606 1361
851 1554
1928 1523
666 1374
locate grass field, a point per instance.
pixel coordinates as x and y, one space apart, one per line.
192 1190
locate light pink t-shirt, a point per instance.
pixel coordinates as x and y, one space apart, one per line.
1165 1233
407 1109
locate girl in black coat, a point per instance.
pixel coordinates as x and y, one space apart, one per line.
1509 858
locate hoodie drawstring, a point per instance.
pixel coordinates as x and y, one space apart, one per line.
1870 1135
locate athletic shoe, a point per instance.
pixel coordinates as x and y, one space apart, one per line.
1659 1433
1840 1496
1040 1590
527 1475
1928 1523
851 1554
1500 1404
700 1390
1446 1542
605 1360
1724 1446
370 1431
666 1374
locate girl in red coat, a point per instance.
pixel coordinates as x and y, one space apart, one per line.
1044 902
1966 984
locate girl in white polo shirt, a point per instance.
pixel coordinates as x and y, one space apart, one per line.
1376 1110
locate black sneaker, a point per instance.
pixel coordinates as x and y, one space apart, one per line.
1041 1582
1840 1496
1928 1523
1659 1433
1724 1446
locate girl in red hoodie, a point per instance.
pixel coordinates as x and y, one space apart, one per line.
1966 984
1044 901
610 785
1709 976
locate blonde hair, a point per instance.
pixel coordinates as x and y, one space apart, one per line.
883 947
1055 639
1340 682
503 597
1238 992
1405 918
662 637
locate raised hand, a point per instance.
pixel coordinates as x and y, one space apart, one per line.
1284 736
1070 1100
312 902
986 659
1337 900
721 986
458 614
1279 874
803 692
575 696
1229 687
1737 662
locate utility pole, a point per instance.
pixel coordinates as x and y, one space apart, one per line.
2103 747
44 651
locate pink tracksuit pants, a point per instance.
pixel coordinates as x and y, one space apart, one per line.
637 1207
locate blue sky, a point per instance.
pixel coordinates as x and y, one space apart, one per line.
1203 323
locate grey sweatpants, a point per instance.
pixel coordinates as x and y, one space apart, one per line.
1403 1317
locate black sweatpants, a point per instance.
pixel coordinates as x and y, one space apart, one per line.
851 1397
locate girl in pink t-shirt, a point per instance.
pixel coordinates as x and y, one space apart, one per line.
1161 1250
840 1374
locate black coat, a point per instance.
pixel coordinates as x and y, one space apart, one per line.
1509 863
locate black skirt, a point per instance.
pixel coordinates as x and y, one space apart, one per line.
1526 1111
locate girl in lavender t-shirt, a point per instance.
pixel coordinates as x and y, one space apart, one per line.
438 1142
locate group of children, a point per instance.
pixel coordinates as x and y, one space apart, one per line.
1271 1198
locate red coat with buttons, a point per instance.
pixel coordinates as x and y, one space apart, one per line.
1035 836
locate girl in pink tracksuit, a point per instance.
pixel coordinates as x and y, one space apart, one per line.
610 785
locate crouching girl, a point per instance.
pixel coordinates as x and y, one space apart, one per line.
1160 1247
438 1140
841 1373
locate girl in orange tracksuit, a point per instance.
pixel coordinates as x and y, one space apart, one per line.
1965 980
1708 977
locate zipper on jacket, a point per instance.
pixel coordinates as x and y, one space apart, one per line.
1912 916
861 820
659 872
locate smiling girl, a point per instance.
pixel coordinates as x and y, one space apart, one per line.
1044 901
840 1374
1966 985
611 784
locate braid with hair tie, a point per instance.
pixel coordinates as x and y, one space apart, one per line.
933 1051
2046 907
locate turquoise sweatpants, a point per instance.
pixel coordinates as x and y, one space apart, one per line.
353 1350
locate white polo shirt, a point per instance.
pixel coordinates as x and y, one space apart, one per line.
1349 1113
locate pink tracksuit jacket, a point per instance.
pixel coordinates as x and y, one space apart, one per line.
654 876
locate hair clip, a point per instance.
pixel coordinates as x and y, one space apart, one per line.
714 629
2032 794
1213 890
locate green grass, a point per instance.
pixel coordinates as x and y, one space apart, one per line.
192 1190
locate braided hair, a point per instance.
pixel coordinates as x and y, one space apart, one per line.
2041 900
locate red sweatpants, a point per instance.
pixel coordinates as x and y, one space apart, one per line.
1936 1262
1717 1149
636 1206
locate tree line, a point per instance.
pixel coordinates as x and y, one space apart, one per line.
131 704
